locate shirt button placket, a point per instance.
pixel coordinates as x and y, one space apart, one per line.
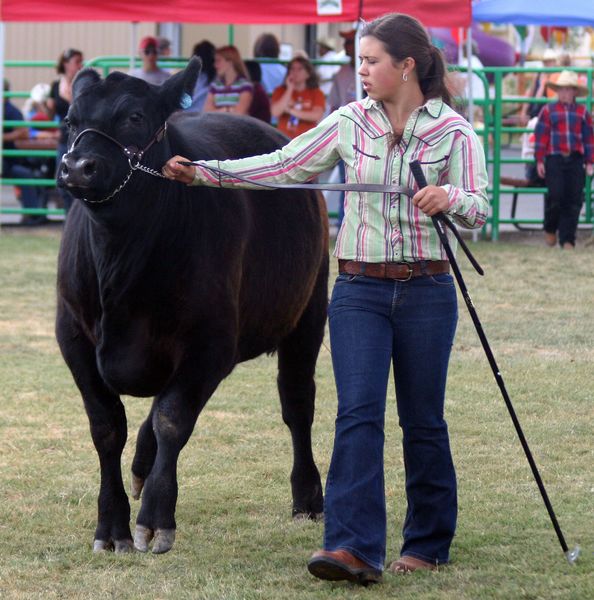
395 234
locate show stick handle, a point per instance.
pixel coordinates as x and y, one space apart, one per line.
441 221
417 171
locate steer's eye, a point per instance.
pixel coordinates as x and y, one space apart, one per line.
67 123
136 117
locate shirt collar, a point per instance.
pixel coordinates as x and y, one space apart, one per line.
375 108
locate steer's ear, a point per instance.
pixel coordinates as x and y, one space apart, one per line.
83 80
176 92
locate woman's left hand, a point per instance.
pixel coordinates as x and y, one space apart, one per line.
431 200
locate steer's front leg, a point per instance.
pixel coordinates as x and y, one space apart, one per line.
107 419
109 436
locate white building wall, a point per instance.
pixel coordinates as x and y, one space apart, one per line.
45 41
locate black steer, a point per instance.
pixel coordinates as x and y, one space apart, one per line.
163 289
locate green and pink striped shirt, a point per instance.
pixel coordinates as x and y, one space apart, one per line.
380 227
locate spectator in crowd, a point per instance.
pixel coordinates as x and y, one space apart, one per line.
564 60
164 49
13 166
231 90
299 103
538 89
528 137
36 103
394 302
150 70
36 109
273 73
527 153
163 46
70 62
260 107
326 73
564 153
344 91
204 50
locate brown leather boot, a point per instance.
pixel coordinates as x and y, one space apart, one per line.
339 565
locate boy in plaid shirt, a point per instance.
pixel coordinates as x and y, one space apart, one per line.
564 152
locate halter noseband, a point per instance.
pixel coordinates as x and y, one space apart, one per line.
132 153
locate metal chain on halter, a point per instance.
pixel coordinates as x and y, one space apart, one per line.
148 170
131 153
136 167
112 193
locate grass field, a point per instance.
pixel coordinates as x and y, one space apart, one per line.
235 536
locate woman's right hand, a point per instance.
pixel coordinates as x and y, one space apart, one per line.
182 173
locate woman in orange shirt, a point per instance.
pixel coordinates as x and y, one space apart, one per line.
299 103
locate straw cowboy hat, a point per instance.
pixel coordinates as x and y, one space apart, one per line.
327 42
568 79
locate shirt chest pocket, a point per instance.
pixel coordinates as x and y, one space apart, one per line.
365 158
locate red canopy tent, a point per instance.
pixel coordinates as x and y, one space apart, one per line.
433 13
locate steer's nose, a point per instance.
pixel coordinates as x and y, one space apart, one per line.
77 171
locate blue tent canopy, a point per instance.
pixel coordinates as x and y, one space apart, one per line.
570 13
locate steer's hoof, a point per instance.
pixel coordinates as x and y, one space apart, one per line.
119 546
136 485
142 537
164 539
102 546
307 516
124 546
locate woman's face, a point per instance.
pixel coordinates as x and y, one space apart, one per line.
223 66
73 65
298 73
380 77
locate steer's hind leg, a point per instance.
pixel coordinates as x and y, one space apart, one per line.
107 420
144 457
297 356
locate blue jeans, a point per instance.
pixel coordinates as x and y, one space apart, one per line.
30 195
373 323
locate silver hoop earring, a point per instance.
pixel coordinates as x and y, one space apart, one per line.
404 76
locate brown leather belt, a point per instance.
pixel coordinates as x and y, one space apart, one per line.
401 271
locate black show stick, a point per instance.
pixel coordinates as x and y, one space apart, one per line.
438 223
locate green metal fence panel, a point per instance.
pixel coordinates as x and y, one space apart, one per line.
491 133
497 129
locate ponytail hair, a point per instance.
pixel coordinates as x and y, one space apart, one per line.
404 36
435 84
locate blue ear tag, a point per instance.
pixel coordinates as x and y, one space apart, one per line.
185 101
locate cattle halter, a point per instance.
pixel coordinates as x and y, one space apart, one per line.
132 153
